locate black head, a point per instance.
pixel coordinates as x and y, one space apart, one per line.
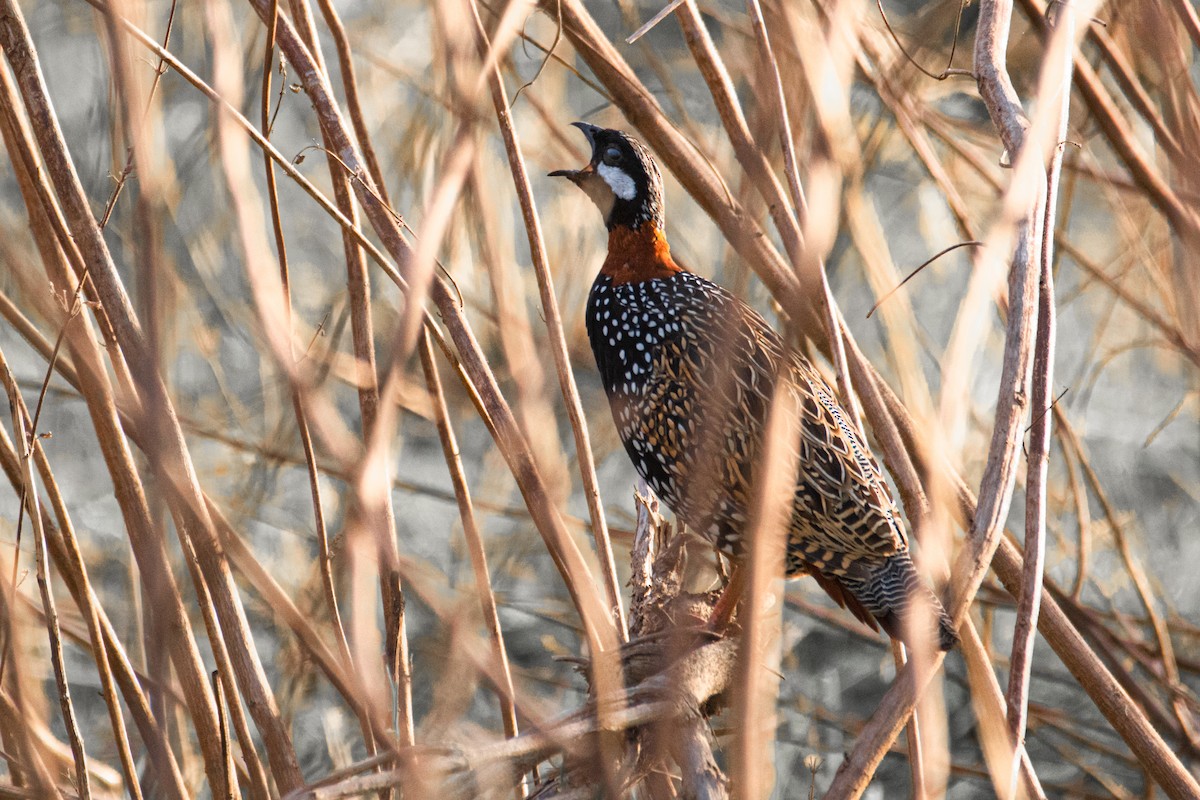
621 178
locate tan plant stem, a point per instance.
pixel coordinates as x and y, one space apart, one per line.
597 623
369 398
25 434
478 554
1021 660
554 330
756 692
505 695
169 455
98 392
324 554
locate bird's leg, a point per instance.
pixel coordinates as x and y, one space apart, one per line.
723 611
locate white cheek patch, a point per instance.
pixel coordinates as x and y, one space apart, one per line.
620 182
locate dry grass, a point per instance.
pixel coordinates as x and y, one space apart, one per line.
310 470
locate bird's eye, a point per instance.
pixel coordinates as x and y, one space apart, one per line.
612 155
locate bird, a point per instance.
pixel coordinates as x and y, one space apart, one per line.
689 371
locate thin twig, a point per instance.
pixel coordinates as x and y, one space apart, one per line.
24 434
913 274
98 392
558 343
478 554
549 53
1021 660
947 71
662 14
397 658
128 168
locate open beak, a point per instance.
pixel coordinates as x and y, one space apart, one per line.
576 175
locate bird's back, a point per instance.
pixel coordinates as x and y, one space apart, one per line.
690 371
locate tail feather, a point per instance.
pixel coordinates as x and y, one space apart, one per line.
845 599
887 592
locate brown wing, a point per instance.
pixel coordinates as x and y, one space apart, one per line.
703 414
844 512
844 509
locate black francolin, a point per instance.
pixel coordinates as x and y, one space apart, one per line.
690 371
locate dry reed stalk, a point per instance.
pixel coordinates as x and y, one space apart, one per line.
229 711
912 738
362 326
169 455
756 691
228 789
915 501
527 369
987 698
475 546
371 481
1190 19
532 402
569 560
35 453
558 344
1021 660
26 434
118 458
272 302
134 121
989 704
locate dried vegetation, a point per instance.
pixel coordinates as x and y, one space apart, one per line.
307 500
